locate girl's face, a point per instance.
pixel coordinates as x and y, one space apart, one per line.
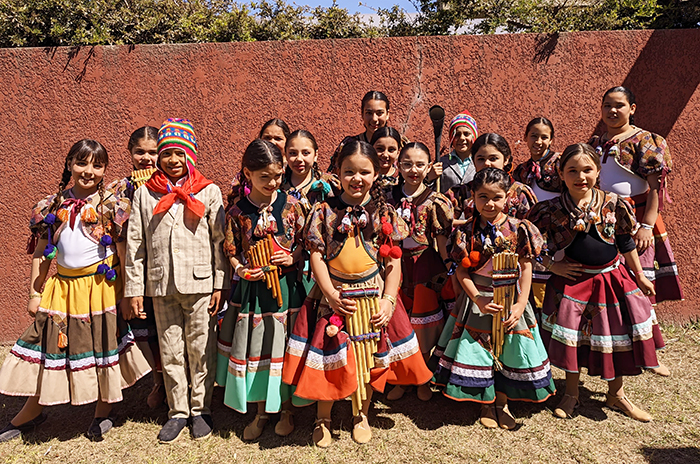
274 133
488 156
580 175
87 174
538 139
357 175
489 201
144 154
414 166
463 141
267 180
616 110
388 151
301 155
173 162
374 115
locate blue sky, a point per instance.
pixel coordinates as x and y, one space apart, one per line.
353 6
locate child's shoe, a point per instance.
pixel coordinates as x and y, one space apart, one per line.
322 433
255 428
285 425
361 431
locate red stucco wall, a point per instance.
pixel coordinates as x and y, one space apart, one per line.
50 98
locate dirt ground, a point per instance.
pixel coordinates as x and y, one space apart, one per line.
407 430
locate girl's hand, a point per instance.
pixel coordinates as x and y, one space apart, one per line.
125 309
435 172
487 306
566 269
250 274
516 312
33 306
386 311
136 305
280 258
644 238
645 285
341 306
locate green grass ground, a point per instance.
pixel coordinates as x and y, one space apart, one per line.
404 431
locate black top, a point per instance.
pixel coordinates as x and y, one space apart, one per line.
589 249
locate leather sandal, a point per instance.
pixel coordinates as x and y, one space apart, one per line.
322 433
566 407
622 404
361 432
505 418
285 425
488 416
662 370
255 428
424 392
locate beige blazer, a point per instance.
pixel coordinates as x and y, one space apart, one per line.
180 252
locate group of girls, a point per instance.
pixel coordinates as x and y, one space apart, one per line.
593 258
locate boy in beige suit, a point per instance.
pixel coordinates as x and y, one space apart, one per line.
175 256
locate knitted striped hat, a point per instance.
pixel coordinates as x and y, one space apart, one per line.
463 119
179 133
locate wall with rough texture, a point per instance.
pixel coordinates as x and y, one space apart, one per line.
49 98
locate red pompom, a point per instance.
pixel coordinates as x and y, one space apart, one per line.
384 250
387 229
474 257
395 252
466 263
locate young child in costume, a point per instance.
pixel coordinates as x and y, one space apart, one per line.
457 167
78 349
143 150
387 141
350 239
426 289
302 179
595 315
175 256
276 131
471 369
492 151
635 164
541 174
253 333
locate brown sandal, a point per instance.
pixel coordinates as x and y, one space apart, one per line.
361 431
565 409
505 418
622 404
322 433
285 425
488 416
255 428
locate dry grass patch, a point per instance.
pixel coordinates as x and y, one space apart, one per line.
404 431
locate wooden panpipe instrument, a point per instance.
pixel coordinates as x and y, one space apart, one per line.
363 335
140 176
505 280
259 256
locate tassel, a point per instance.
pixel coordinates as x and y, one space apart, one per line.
384 250
63 215
395 252
50 252
102 268
62 340
387 228
106 240
111 275
89 215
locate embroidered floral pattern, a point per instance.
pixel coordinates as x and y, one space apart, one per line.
428 215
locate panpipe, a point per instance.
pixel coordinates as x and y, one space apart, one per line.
259 256
140 176
363 335
505 279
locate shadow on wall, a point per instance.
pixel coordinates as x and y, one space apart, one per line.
663 78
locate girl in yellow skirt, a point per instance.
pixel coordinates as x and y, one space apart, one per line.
77 350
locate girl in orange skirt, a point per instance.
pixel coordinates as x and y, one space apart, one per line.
350 239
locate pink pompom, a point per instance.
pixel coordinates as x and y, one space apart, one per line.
384 250
246 190
395 252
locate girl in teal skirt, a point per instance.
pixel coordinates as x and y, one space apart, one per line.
253 334
466 362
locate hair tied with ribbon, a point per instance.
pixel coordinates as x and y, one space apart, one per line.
388 249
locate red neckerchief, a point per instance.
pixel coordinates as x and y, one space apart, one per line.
159 183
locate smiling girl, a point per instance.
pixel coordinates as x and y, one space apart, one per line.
302 179
254 330
387 141
350 240
541 171
467 368
635 164
426 289
375 114
595 315
72 353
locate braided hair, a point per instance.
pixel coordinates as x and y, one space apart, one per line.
82 150
304 134
357 147
258 155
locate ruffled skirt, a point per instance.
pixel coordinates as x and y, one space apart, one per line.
96 364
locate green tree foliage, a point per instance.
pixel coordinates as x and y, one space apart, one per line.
41 23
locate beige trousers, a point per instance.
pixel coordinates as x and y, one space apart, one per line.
184 323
